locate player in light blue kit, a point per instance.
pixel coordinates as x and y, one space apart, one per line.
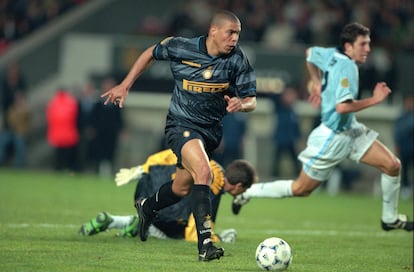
334 87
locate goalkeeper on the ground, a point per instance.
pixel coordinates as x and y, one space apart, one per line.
175 221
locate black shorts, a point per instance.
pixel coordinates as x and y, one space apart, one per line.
177 136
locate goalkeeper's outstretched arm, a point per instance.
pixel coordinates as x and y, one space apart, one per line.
126 175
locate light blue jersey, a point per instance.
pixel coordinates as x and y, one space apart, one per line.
339 83
339 136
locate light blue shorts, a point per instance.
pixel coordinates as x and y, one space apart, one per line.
326 148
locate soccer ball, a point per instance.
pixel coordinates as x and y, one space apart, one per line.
274 254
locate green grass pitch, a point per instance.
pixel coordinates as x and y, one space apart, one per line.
41 212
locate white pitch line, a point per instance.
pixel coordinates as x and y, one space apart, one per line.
302 232
332 233
45 226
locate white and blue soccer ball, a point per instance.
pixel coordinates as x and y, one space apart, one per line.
274 254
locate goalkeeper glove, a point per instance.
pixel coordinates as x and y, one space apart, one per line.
126 175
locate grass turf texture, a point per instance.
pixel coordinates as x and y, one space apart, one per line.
41 212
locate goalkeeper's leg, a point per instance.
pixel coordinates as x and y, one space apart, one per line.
105 221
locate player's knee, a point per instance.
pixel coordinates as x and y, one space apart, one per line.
393 167
302 193
301 190
182 191
203 175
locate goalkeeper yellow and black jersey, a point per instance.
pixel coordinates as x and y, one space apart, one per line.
159 169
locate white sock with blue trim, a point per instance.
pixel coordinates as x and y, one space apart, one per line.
390 187
271 189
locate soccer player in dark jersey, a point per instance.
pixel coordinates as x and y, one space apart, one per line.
212 77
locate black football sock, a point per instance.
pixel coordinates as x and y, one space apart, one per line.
200 201
163 198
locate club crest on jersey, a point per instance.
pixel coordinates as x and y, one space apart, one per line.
345 82
208 73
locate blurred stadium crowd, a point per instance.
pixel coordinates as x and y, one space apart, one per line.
18 18
286 23
278 24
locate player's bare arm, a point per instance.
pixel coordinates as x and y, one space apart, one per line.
381 92
315 84
118 94
235 104
314 90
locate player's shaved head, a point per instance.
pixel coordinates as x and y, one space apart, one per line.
223 34
222 16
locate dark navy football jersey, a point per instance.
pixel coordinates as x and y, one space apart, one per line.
201 80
